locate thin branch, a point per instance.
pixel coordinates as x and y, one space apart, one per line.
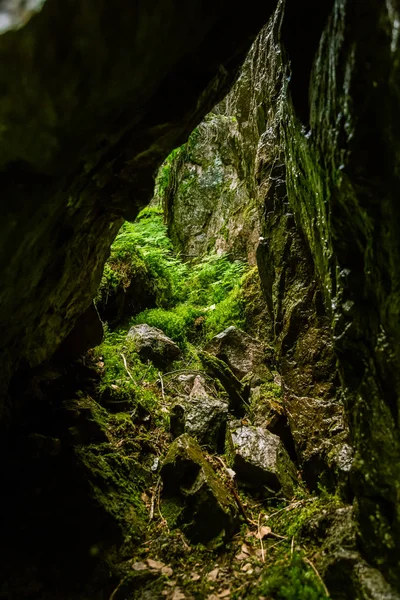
117 589
126 367
234 492
260 536
162 385
314 568
289 507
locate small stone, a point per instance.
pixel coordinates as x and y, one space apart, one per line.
194 497
202 417
260 460
155 564
152 344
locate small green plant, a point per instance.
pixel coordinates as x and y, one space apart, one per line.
292 578
125 377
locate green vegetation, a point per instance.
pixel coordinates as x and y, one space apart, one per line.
125 379
194 301
291 579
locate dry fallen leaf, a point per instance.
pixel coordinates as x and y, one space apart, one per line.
263 532
212 576
139 566
177 595
247 568
225 594
241 556
245 549
195 577
155 564
167 571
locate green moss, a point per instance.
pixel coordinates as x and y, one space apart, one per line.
171 509
290 579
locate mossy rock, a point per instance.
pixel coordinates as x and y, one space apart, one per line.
194 498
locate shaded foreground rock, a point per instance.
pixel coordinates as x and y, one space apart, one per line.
202 417
242 353
152 344
260 460
344 570
194 498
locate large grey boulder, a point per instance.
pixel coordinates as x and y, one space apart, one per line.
241 352
194 498
152 344
260 460
201 416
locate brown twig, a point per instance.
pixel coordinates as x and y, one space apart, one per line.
234 491
116 589
153 499
292 548
289 507
314 568
260 536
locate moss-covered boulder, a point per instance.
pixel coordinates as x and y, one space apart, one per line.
260 460
194 497
152 344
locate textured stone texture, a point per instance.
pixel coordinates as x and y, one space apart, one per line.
94 96
209 203
260 460
330 265
202 417
242 353
194 497
152 344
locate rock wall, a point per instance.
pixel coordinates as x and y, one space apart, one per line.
94 96
207 190
324 167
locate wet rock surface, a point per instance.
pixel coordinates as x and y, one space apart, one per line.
339 561
260 460
242 353
202 417
152 344
194 497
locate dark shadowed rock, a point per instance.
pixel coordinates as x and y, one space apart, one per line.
241 352
152 344
238 393
194 498
268 412
260 460
345 572
202 417
87 333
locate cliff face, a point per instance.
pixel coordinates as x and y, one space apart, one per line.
93 98
324 168
342 178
